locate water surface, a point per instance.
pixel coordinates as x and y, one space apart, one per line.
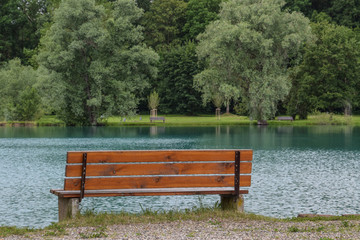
295 169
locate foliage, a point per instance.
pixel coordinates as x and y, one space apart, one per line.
217 99
249 48
175 82
28 105
18 99
163 23
346 13
303 6
6 231
20 21
144 4
154 100
199 13
94 63
96 60
328 78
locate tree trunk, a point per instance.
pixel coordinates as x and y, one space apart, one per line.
228 107
347 108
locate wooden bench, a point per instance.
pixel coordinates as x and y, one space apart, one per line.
285 118
152 173
157 118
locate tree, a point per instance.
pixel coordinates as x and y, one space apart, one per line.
214 89
177 68
199 13
229 93
328 77
163 23
303 6
346 13
96 59
18 99
19 24
28 104
153 102
250 48
144 4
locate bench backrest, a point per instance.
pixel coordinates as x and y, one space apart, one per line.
157 169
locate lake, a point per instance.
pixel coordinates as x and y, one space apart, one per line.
295 169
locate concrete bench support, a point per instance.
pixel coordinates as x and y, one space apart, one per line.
68 208
230 202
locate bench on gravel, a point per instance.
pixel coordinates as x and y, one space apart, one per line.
153 173
285 118
157 118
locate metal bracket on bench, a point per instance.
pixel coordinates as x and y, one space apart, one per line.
83 176
237 173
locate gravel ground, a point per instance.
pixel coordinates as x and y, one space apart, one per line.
213 229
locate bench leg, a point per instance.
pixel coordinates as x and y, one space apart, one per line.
230 202
68 208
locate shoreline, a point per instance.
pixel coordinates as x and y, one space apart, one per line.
211 228
323 119
204 223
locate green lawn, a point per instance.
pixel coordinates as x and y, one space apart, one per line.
200 120
177 120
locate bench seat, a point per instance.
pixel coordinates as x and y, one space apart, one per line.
157 118
154 173
285 119
147 192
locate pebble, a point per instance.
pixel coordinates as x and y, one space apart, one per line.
214 229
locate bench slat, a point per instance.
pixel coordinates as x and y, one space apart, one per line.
157 169
156 182
147 192
158 156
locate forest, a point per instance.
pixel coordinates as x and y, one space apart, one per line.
83 60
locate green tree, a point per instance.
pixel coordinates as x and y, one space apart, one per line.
144 4
96 59
215 88
163 23
17 92
19 24
229 93
328 77
250 48
175 82
199 13
346 13
153 100
28 104
303 6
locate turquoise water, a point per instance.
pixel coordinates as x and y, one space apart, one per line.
295 169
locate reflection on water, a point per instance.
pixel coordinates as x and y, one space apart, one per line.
296 169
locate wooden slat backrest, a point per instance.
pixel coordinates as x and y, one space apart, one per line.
158 156
157 169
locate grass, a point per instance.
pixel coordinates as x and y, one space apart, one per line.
46 120
8 231
200 120
98 222
49 120
230 119
177 120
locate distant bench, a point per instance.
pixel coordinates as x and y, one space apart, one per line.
157 118
153 173
285 118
